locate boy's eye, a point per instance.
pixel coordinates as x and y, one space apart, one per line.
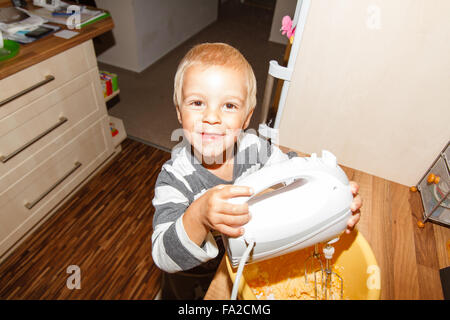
197 103
230 106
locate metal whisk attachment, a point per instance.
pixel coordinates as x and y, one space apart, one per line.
327 277
328 289
315 265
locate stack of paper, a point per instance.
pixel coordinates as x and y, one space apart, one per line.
17 22
75 17
13 20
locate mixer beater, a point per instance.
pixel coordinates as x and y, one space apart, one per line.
314 260
327 276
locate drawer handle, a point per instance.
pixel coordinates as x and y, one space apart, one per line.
29 205
47 79
61 121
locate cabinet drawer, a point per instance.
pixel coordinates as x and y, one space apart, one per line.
36 81
38 124
28 200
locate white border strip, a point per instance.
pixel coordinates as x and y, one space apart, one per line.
301 11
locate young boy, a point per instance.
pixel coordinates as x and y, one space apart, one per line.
214 96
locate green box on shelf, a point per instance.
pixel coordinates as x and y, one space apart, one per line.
114 82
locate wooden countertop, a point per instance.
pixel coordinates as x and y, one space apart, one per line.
409 257
35 52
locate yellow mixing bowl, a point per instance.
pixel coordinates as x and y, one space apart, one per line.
356 265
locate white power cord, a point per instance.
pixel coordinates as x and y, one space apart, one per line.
241 269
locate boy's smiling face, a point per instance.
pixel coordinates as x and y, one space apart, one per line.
213 110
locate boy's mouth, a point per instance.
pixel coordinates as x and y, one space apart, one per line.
210 136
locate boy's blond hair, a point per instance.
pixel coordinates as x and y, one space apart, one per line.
215 54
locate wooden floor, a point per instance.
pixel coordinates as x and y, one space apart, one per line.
105 229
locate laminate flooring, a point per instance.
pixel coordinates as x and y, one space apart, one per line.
104 230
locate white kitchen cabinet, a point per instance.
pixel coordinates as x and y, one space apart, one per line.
52 138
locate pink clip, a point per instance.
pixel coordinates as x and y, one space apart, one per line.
286 27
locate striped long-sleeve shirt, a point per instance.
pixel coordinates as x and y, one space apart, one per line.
181 181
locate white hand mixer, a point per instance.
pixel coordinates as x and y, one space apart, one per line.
313 207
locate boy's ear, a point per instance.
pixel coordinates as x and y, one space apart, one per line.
178 114
249 117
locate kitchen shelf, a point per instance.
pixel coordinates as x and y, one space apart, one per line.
115 93
118 124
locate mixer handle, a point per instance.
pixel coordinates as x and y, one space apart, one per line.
284 172
288 171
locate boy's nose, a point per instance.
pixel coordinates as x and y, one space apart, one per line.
211 115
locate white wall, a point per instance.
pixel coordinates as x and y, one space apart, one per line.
124 53
162 25
148 29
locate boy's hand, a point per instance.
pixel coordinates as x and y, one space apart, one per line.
356 204
213 211
223 216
